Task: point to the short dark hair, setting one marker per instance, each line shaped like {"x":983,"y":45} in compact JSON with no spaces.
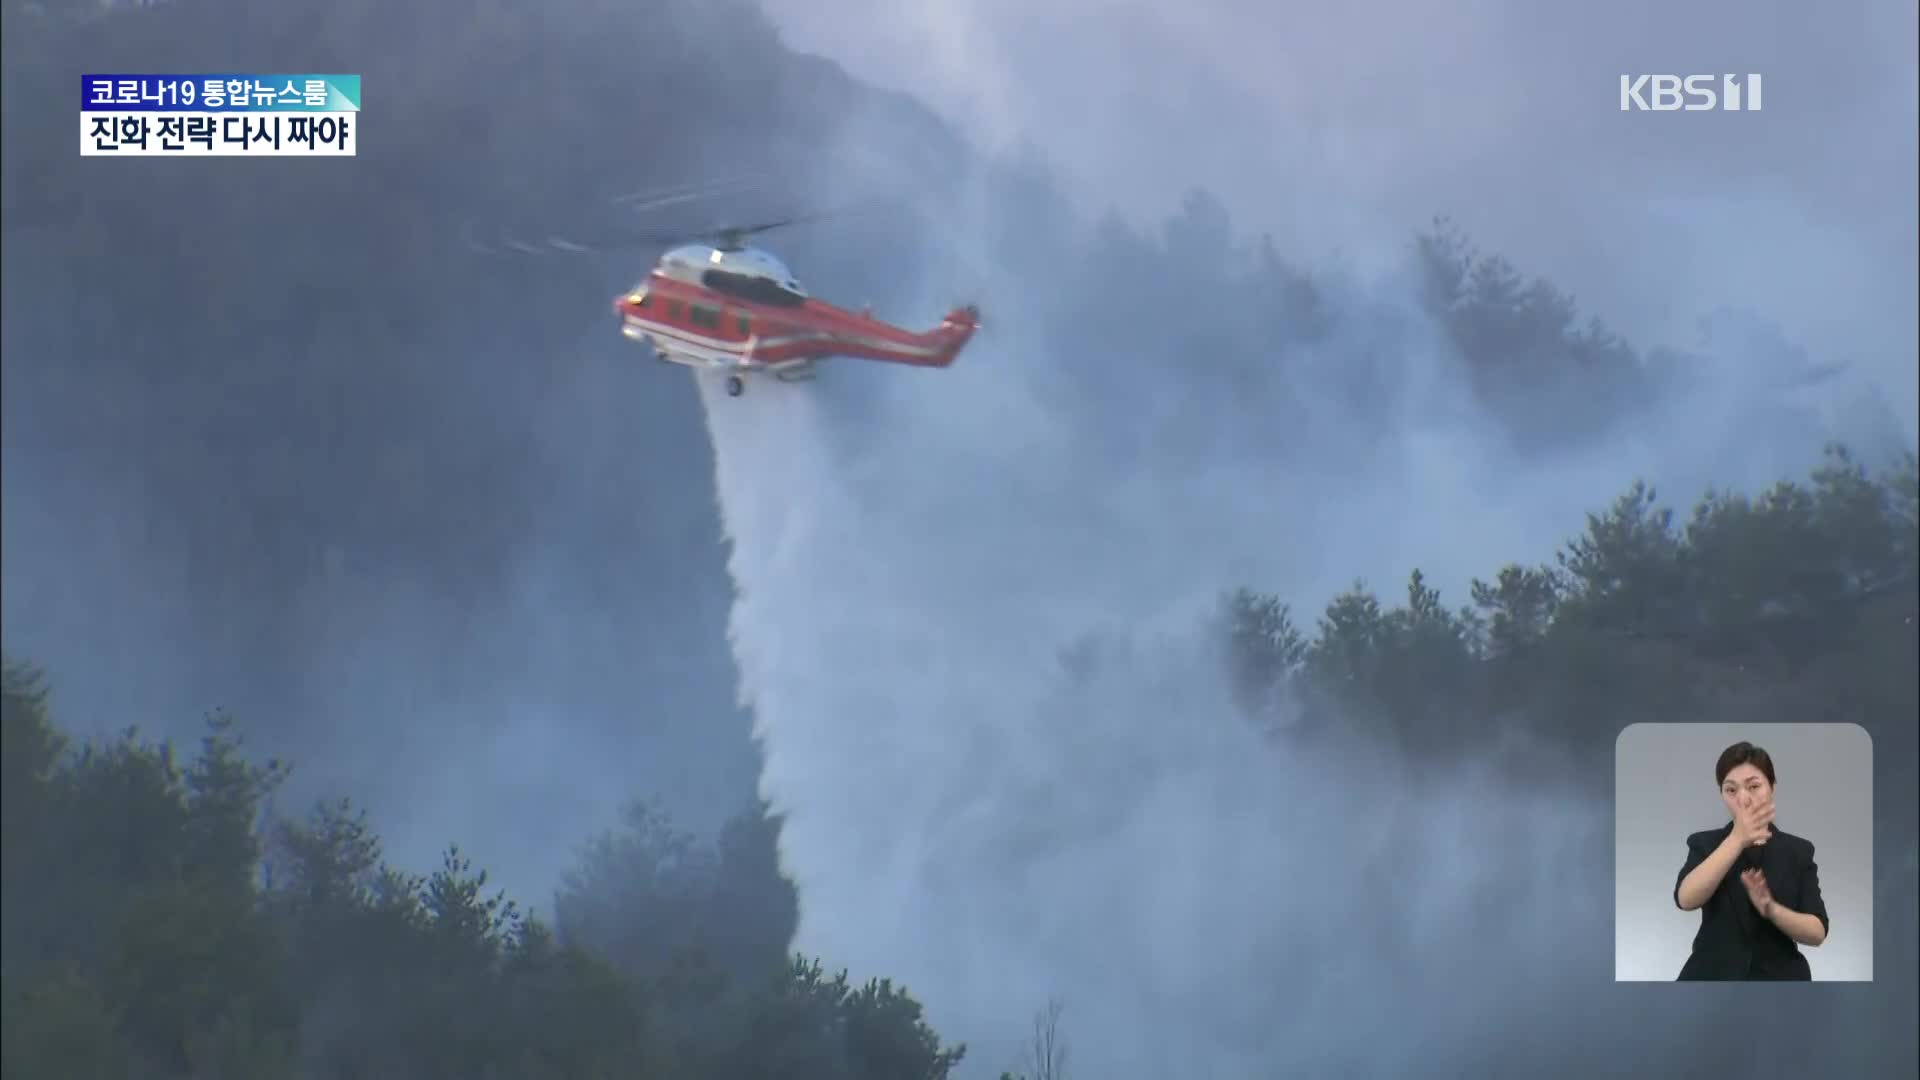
{"x":1743,"y":753}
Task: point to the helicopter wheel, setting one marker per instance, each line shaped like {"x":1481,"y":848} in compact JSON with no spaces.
{"x":736,"y":386}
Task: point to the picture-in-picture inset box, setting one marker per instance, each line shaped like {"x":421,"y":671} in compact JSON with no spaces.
{"x":1743,"y":852}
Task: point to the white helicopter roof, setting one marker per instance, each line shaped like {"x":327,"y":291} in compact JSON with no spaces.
{"x":689,"y":261}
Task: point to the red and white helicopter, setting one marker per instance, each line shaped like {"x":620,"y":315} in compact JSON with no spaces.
{"x":716,"y":303}
{"x":727,"y":306}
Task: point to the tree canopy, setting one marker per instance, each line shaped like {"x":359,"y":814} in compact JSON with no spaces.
{"x":160,"y":921}
{"x":1798,"y":600}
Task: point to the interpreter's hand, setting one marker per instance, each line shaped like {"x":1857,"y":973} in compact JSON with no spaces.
{"x":1757,"y":891}
{"x":1750,"y":824}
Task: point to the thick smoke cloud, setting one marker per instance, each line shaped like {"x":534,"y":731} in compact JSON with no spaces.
{"x":965,"y":816}
{"x":1338,"y":126}
{"x":913,"y":553}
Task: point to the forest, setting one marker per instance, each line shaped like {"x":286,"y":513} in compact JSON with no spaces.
{"x":169,"y":911}
{"x":158,"y":922}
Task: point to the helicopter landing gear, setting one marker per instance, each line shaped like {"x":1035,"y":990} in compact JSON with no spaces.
{"x":736,"y":386}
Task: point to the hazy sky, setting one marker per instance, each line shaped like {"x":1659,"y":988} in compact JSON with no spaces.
{"x":1346,"y":126}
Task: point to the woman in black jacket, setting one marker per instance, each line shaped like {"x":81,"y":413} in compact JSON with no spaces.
{"x":1753,"y":922}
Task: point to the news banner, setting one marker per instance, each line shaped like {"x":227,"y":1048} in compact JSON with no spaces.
{"x":217,"y":115}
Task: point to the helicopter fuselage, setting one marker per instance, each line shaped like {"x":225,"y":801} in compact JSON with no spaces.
{"x":741,"y":310}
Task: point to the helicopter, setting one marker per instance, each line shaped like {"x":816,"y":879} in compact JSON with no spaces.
{"x":715,"y":302}
{"x":725,"y":305}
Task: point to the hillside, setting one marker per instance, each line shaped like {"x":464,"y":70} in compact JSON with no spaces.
{"x":309,"y":956}
{"x":275,"y":441}
{"x":277,"y":417}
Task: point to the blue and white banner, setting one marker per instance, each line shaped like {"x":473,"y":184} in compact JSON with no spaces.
{"x":219,"y":115}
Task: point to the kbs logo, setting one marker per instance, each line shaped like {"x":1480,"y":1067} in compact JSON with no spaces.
{"x":1693,"y":93}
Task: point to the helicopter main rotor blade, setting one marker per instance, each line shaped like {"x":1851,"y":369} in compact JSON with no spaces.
{"x":680,"y":193}
{"x":733,"y":234}
{"x":612,"y":238}
{"x":599,"y":242}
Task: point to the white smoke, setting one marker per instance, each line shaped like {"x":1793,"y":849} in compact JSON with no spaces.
{"x":964,"y":817}
{"x":973,"y":816}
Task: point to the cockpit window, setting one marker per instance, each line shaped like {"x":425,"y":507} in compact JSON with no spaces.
{"x":751,"y":288}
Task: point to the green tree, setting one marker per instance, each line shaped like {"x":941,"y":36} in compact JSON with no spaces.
{"x":1755,"y":608}
{"x":1517,"y":609}
{"x":1628,"y":570}
{"x":817,"y":1025}
{"x":1264,"y":650}
{"x":166,"y":928}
